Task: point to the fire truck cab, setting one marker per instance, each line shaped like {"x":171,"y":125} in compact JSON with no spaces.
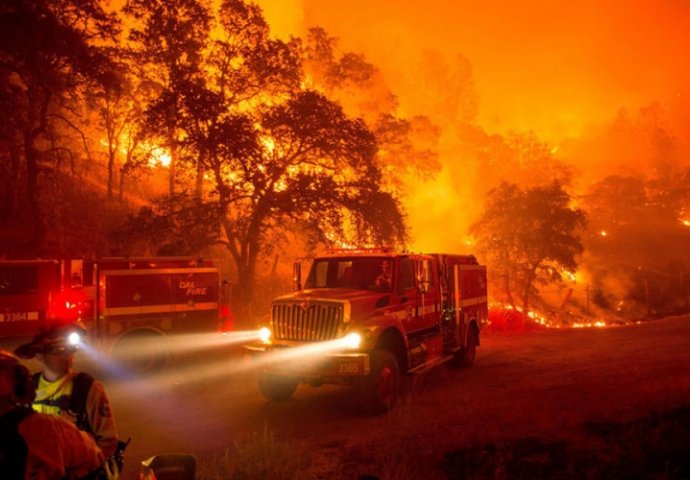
{"x":364,"y":317}
{"x":121,"y":301}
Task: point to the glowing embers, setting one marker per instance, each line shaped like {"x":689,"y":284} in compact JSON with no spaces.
{"x":595,"y":324}
{"x":504,"y":317}
{"x":159,"y":156}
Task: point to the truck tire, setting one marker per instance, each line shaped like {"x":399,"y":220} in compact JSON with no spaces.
{"x":379,"y":389}
{"x":277,"y":388}
{"x":464,"y":358}
{"x":141,"y":351}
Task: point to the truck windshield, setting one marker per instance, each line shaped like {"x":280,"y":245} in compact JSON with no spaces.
{"x":369,"y":273}
{"x":18,"y":280}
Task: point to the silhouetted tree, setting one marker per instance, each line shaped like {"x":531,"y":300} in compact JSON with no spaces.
{"x":529,"y":237}
{"x":272,"y":152}
{"x":638,"y":241}
{"x":168,"y":40}
{"x":50,"y":51}
{"x":408,"y":145}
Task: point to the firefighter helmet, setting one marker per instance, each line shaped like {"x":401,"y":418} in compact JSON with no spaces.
{"x":55,"y":339}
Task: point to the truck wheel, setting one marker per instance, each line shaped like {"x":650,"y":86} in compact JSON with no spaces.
{"x":465,"y":356}
{"x":277,"y":388}
{"x":380,"y":389}
{"x":143,"y":351}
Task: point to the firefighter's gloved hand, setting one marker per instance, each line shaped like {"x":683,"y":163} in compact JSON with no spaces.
{"x":110,"y":469}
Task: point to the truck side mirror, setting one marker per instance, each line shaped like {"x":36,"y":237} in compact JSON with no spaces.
{"x":297,"y":276}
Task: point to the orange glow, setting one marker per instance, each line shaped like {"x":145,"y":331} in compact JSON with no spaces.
{"x":596,"y":324}
{"x":603,"y":233}
{"x":269,"y":144}
{"x":546,"y":66}
{"x":498,"y":313}
{"x":560,"y":70}
{"x":159,"y":157}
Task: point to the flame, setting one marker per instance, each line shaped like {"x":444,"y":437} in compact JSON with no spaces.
{"x":269,"y":143}
{"x":339,"y":242}
{"x":543,"y":321}
{"x":159,"y":157}
{"x":596,"y":324}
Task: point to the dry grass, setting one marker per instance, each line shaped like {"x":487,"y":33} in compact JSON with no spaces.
{"x":650,"y":447}
{"x":261,"y":456}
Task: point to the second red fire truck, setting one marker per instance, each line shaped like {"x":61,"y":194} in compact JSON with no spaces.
{"x":364,"y":317}
{"x":121,"y":301}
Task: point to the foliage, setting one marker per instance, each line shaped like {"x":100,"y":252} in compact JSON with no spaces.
{"x":407,"y":146}
{"x":648,"y":447}
{"x":169,"y":226}
{"x":168,"y":41}
{"x":529,"y":237}
{"x":637,"y":246}
{"x":260,"y":456}
{"x":50,"y":53}
{"x":266,"y":152}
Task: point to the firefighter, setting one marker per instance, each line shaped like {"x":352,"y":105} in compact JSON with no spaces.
{"x":34,"y":445}
{"x":383,"y":280}
{"x":60,"y":390}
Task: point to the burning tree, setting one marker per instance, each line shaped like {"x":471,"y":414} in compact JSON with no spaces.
{"x":407,"y":145}
{"x":51,"y":53}
{"x":528,"y":237}
{"x":273,"y":154}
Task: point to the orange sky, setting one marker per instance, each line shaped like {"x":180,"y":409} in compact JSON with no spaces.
{"x":551,"y":66}
{"x":559,"y":68}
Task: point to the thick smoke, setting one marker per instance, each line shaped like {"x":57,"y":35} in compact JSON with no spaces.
{"x":534,"y":91}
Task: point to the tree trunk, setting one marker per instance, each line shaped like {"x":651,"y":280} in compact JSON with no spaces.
{"x":507,"y":290}
{"x":37,"y":213}
{"x":173,"y":165}
{"x":121,"y":190}
{"x":245,"y":292}
{"x":111,"y":171}
{"x":529,"y":279}
{"x":199,"y":187}
{"x":9,"y":206}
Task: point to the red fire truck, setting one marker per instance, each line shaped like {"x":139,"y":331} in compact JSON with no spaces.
{"x":119,"y":300}
{"x":364,"y":317}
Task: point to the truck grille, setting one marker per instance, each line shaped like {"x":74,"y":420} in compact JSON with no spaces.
{"x":307,"y":322}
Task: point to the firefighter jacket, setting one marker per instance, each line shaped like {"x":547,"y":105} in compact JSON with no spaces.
{"x":56,"y":449}
{"x":53,"y":398}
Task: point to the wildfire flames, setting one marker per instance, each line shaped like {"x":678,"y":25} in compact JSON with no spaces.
{"x":505,"y":317}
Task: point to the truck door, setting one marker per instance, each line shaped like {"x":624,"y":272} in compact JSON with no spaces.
{"x":457,"y":297}
{"x":427,"y":303}
{"x":428,"y":293}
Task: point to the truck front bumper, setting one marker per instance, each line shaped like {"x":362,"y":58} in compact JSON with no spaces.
{"x":287,"y":360}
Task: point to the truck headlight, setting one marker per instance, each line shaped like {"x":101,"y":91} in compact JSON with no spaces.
{"x":264,"y":334}
{"x":353,"y":340}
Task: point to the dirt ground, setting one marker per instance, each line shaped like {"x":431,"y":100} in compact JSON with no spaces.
{"x":548,"y":385}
